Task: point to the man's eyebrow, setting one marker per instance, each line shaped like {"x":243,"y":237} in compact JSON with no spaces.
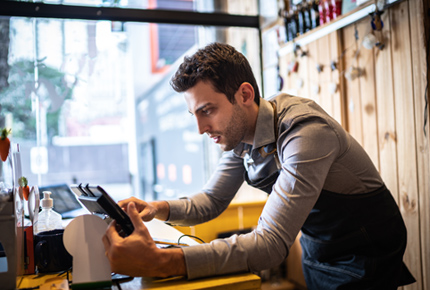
{"x":200,"y":108}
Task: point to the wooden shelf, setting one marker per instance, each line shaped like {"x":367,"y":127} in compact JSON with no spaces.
{"x":344,"y":20}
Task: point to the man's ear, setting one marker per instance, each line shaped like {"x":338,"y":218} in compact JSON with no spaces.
{"x":246,"y":93}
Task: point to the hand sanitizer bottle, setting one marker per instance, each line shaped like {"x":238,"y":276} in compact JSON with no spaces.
{"x":48,"y":218}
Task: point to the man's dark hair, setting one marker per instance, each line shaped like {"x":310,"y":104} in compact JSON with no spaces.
{"x":220,"y":64}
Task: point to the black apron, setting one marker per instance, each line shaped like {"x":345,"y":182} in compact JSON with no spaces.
{"x":354,"y":241}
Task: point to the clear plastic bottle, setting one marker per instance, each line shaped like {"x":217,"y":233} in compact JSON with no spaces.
{"x":48,"y":219}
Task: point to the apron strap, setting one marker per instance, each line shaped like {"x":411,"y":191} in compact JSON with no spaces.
{"x":274,"y":151}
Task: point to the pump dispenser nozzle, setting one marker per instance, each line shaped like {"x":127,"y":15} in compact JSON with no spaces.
{"x":47,"y":201}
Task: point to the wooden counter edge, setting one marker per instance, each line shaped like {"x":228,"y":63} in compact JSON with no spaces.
{"x":242,"y":281}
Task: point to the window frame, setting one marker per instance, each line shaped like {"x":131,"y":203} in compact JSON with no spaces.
{"x":43,"y":10}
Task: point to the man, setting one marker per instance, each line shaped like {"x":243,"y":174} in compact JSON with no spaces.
{"x":319,"y":179}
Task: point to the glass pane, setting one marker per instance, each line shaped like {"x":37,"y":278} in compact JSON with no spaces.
{"x":90,"y":102}
{"x":238,"y":7}
{"x":269,"y":10}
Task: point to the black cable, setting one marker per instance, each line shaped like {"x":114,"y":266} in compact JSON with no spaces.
{"x":191,"y":236}
{"x":65,"y":272}
{"x":118,"y":285}
{"x":20,"y":281}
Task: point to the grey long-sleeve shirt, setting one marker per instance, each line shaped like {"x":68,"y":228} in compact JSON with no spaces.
{"x":315,"y":153}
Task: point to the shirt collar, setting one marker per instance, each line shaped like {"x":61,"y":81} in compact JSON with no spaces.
{"x":264,"y":129}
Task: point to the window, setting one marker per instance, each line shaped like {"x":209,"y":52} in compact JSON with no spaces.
{"x":85,"y":104}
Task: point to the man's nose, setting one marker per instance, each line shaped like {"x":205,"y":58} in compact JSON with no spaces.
{"x":202,"y":126}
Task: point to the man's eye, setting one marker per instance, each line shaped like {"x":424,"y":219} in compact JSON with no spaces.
{"x":206,"y":112}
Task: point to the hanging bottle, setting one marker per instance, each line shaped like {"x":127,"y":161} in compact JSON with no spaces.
{"x":307,"y":16}
{"x":322,"y":11}
{"x":315,"y":16}
{"x":301,"y":18}
{"x":296,"y":21}
{"x":291,"y":30}
{"x":286,"y":18}
{"x":327,"y":11}
{"x":292,"y":25}
{"x":332,"y":9}
{"x":338,"y":7}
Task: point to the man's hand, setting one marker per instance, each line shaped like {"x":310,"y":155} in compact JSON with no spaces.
{"x":148,"y":211}
{"x":137,"y":255}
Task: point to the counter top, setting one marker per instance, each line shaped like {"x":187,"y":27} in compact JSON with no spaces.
{"x":243,"y":281}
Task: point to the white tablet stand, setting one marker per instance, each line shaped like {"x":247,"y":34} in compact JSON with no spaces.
{"x":83,"y":240}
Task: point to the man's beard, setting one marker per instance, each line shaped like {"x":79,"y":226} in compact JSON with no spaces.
{"x":235,"y":131}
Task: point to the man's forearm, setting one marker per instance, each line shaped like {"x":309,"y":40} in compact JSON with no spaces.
{"x":173,"y":263}
{"x":163,"y":209}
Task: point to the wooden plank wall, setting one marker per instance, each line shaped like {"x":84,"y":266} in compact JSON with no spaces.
{"x":308,"y":82}
{"x":384,"y":109}
{"x":421,"y":77}
{"x":405,"y":132}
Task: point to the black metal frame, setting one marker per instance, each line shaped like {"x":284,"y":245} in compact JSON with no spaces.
{"x":30,"y":9}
